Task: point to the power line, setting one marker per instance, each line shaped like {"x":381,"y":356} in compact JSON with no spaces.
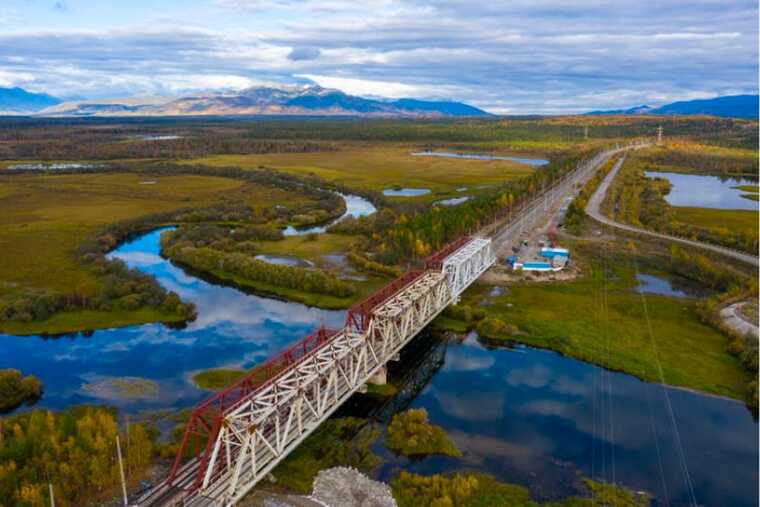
{"x":679,"y":445}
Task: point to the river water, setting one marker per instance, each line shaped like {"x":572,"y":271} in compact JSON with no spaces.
{"x":524,"y":415}
{"x":355,"y":207}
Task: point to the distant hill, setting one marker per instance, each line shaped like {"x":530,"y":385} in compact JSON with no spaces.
{"x":286,"y":100}
{"x":19,"y":101}
{"x":730,"y":106}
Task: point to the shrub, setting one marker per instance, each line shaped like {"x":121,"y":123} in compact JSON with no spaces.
{"x":410,"y":433}
{"x":491,"y":327}
{"x":16,"y":389}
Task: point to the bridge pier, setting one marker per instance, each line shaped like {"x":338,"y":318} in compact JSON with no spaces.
{"x":380,"y":376}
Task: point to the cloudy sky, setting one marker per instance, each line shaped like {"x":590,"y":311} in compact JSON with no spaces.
{"x":506,"y":56}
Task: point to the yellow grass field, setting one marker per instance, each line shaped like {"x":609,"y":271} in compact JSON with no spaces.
{"x":380,"y":167}
{"x":43,"y":218}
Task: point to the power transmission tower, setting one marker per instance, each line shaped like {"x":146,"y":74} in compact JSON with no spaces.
{"x":659,"y":134}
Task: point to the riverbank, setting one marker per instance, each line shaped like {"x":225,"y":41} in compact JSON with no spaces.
{"x":602,"y":319}
{"x":85,"y":321}
{"x":488,"y":425}
{"x":56,"y":229}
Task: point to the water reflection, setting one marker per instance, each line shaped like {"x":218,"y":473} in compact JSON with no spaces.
{"x":674,"y":287}
{"x":706,"y":191}
{"x":524,"y":415}
{"x":453,"y":201}
{"x":535,"y":162}
{"x":355,"y":207}
{"x":232,"y":330}
{"x":284,"y":260}
{"x":405,"y":192}
{"x":543,"y":420}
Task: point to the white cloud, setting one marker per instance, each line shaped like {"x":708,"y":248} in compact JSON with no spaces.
{"x":15,"y":78}
{"x":179,"y":82}
{"x":364,"y":86}
{"x":508,"y":57}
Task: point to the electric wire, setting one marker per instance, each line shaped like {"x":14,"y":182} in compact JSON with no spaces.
{"x":668,"y":404}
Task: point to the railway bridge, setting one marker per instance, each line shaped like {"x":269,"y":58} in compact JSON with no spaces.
{"x":235,"y":438}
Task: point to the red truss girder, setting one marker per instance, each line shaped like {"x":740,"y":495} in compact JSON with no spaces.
{"x":206,"y":418}
{"x":435,"y":260}
{"x":360,"y":314}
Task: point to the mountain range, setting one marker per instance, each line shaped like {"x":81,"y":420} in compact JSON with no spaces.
{"x":268,"y":100}
{"x":729,"y":106}
{"x":318,"y":101}
{"x":19,"y":101}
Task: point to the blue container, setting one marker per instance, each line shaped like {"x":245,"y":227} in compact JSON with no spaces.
{"x":537,"y":265}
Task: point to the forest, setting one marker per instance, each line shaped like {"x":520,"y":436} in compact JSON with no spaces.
{"x":43,"y":447}
{"x":126,"y":138}
{"x":417,"y":235}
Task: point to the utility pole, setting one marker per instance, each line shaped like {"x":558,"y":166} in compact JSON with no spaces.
{"x":659,"y":134}
{"x":585,"y":132}
{"x":121,"y":472}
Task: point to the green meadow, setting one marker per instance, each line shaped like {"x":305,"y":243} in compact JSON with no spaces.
{"x":600,"y":318}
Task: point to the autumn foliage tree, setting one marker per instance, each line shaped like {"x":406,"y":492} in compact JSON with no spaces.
{"x":74,"y":450}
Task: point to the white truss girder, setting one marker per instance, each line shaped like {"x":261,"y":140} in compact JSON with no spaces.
{"x":260,"y":430}
{"x":467,"y":264}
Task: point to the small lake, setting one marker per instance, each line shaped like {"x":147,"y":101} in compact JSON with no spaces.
{"x":535,"y":162}
{"x":55,"y":166}
{"x":453,"y":201}
{"x":674,"y":287}
{"x":284,"y":260}
{"x":700,"y":191}
{"x":155,"y":137}
{"x":355,"y":207}
{"x":405,"y":192}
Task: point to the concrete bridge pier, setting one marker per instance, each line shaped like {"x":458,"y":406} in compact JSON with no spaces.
{"x":380,"y":377}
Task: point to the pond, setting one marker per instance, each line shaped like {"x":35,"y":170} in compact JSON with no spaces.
{"x":535,"y":162}
{"x":524,"y":415}
{"x":674,"y":286}
{"x":702,"y":191}
{"x":156,"y":137}
{"x":54,"y":166}
{"x":284,"y":260}
{"x":453,"y":201}
{"x":405,"y":192}
{"x":355,"y":207}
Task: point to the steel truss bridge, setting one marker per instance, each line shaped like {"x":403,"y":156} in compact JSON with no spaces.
{"x":236,"y":437}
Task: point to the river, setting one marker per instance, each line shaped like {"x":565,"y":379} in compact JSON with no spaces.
{"x":525,"y":415}
{"x":355,"y":207}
